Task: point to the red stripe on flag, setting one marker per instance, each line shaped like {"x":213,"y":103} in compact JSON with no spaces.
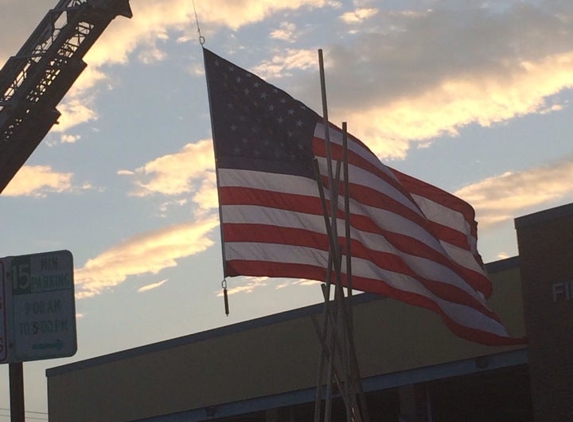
{"x":438,"y":195}
{"x":264,"y":198}
{"x":273,"y":269}
{"x":259,"y":233}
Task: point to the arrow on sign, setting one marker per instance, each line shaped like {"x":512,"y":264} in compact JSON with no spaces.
{"x":58,"y":344}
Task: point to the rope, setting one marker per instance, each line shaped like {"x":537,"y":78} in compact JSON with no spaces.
{"x":201,"y":37}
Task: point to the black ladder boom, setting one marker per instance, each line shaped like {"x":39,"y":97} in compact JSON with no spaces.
{"x":35,"y":80}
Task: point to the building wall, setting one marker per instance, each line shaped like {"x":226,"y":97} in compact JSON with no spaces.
{"x":546,"y":251}
{"x":261,"y":358}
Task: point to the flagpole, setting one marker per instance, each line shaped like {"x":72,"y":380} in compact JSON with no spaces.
{"x":333,"y":235}
{"x":347,"y":251}
{"x":333,"y":203}
{"x":353,"y":361}
{"x":328,"y":322}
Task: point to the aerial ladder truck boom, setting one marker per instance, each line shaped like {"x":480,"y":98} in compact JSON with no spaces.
{"x":35,"y":80}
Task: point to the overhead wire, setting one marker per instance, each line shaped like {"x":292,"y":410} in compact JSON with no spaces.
{"x":27,"y":411}
{"x":27,"y":418}
{"x":35,"y":414}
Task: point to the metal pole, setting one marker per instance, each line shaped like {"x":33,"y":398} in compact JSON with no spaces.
{"x":17,"y":412}
{"x":333,"y":232}
{"x":348,"y":251}
{"x":332,"y":190}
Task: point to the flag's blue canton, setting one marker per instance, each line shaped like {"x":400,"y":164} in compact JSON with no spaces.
{"x":257,"y":126}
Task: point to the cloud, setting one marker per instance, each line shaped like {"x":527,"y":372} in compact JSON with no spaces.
{"x":289,"y":59}
{"x":286,"y":32}
{"x":188,"y":172}
{"x":404,"y":78}
{"x":503,"y":255}
{"x":358,"y":15}
{"x":37,"y":181}
{"x":299,"y":282}
{"x":151,"y":286}
{"x":167,"y":205}
{"x":249,"y":284}
{"x":206,"y":196}
{"x":70,"y":139}
{"x":504,"y":197}
{"x":443,"y":109}
{"x":235,"y":14}
{"x":175,"y":174}
{"x":152,"y":55}
{"x":303,"y":282}
{"x":125,"y":173}
{"x":245,"y":285}
{"x":146,"y":253}
{"x":153,"y":20}
{"x":75,"y":110}
{"x":411,"y":77}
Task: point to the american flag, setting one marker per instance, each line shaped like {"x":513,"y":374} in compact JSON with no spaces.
{"x":409,"y":240}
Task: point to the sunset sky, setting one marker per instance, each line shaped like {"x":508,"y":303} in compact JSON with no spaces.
{"x":472,"y":96}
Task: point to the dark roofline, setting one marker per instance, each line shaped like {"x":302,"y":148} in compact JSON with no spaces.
{"x":544,"y":216}
{"x":201,"y":336}
{"x":502,"y":265}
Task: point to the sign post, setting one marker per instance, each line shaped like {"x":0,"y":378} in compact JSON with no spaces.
{"x":17,"y":410}
{"x":3,"y":317}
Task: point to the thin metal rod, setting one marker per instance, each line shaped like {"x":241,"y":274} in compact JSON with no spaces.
{"x":326,"y":124}
{"x":326,"y":294}
{"x":327,"y":223}
{"x":320,"y":371}
{"x":331,"y":315}
{"x":334,"y":250}
{"x":325,"y":321}
{"x":329,"y":375}
{"x":348,"y":254}
{"x":327,"y":353}
{"x":331,"y":344}
{"x":348,"y":251}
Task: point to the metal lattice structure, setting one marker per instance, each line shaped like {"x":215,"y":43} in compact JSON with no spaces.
{"x":34,"y":81}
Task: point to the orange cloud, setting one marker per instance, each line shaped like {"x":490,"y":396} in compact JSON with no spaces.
{"x":505,"y":197}
{"x":390,"y":126}
{"x":152,"y":286}
{"x":175,"y":174}
{"x":358,"y":15}
{"x":37,"y":181}
{"x":146,"y":253}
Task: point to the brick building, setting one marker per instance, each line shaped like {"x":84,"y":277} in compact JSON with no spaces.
{"x":545,"y":244}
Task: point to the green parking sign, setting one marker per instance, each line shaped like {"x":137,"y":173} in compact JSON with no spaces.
{"x":39,"y":306}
